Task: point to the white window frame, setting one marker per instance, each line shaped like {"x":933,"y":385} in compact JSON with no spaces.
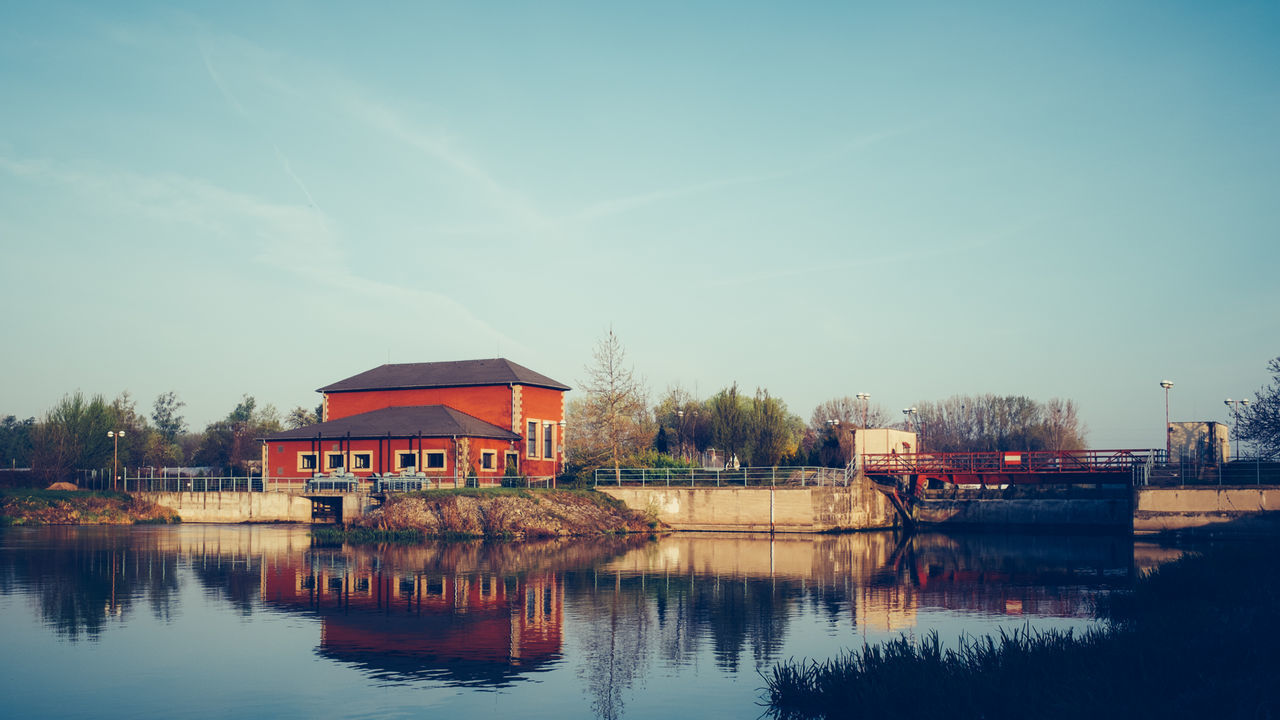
{"x":302,"y":456}
{"x":400,"y":454}
{"x":356,"y":457}
{"x":328,"y":460}
{"x":531,"y":446}
{"x":491,"y":456}
{"x":426,"y":464}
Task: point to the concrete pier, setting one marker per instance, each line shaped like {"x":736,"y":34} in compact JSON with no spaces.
{"x":253,"y":507}
{"x":1161,"y":509}
{"x":761,"y":509}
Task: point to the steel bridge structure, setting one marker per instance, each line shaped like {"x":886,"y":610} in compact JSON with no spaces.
{"x":923,"y":471}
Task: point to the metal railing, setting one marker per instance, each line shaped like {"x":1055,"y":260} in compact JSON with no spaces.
{"x":742,"y":477}
{"x":321,"y":483}
{"x":1071,"y":461}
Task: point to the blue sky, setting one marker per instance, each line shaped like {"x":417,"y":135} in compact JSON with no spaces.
{"x":911,"y":199}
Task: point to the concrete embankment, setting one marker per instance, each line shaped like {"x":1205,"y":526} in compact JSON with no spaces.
{"x":234,"y":507}
{"x":1181,"y":508}
{"x":1060,"y":507}
{"x":761,"y":509}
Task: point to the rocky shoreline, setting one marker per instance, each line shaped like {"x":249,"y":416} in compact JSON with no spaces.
{"x":74,"y":507}
{"x":506,"y":514}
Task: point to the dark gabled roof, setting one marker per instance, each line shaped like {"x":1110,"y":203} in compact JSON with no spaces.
{"x":401,"y":422}
{"x":497,"y":371}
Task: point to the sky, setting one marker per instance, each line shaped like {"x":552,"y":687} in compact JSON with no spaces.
{"x":914,"y":200}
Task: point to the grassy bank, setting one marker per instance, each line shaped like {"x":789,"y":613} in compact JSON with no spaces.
{"x":1197,"y":638}
{"x":78,"y":507}
{"x":502,"y":513}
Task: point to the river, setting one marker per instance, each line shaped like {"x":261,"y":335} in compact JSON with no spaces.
{"x":198,"y":621}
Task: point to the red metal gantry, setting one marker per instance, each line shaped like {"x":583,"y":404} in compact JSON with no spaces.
{"x":1011,"y":467}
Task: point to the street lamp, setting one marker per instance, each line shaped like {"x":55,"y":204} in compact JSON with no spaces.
{"x":559,"y":457}
{"x":1168,"y":429}
{"x":908,"y":413}
{"x":1235,"y":412}
{"x":115,"y":435}
{"x":865,"y":398}
{"x":680,"y":432}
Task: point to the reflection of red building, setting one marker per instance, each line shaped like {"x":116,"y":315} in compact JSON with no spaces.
{"x":469,"y":628}
{"x":446,"y":420}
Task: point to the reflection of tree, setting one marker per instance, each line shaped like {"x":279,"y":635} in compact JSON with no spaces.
{"x":614,"y":644}
{"x":81,"y":576}
{"x":234,"y":579}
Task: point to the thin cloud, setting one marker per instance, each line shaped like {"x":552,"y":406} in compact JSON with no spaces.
{"x":865,"y":263}
{"x":288,"y":169}
{"x":222,"y":87}
{"x":445,"y":150}
{"x":291,"y":238}
{"x":618,"y":206}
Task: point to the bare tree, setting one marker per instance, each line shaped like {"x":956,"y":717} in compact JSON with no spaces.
{"x":613,"y":419}
{"x":1260,"y":422}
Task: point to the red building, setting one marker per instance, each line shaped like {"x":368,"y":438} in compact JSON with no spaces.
{"x":445,"y":420}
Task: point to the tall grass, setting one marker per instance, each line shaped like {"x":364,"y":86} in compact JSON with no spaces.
{"x":1197,"y":638}
{"x":364,"y":536}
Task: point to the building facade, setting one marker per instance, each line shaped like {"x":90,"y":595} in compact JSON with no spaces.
{"x":473,"y":419}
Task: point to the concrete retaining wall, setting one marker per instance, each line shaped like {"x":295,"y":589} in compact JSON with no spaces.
{"x":761,"y":509}
{"x":1075,"y":512}
{"x":234,"y":507}
{"x":1178,"y":508}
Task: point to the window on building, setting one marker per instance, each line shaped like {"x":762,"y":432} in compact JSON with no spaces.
{"x":407,"y":461}
{"x":513,"y":462}
{"x":361,"y":461}
{"x":488,"y":458}
{"x":435,"y":460}
{"x":548,"y":440}
{"x":306,"y":461}
{"x":532,"y":439}
{"x":335,"y":461}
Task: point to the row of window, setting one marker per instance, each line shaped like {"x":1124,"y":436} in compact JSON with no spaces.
{"x":434,"y":460}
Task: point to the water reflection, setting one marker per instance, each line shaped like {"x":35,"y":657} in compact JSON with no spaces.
{"x":464,"y":613}
{"x":610,"y":613}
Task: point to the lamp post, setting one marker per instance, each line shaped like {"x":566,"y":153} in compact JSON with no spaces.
{"x":680,"y":431}
{"x":908,"y":413}
{"x":1235,"y":414}
{"x":1168,"y":429}
{"x":865,"y":398}
{"x":559,"y":458}
{"x":115,"y":435}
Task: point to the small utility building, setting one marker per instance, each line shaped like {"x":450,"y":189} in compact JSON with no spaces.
{"x":481,"y":419}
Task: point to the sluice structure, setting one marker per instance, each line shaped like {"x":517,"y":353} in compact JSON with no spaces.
{"x":1071,"y":488}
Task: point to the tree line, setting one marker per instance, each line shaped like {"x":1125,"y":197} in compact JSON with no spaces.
{"x":73,"y":436}
{"x":612,"y":424}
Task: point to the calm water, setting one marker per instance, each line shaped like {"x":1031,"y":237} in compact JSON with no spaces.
{"x":225,"y":621}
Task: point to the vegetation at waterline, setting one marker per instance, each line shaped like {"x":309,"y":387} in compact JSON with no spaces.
{"x":336,"y":535}
{"x":72,"y":507}
{"x":1196,"y":638}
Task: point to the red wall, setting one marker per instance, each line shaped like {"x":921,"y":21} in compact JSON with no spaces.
{"x":489,"y":403}
{"x":545,"y":406}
